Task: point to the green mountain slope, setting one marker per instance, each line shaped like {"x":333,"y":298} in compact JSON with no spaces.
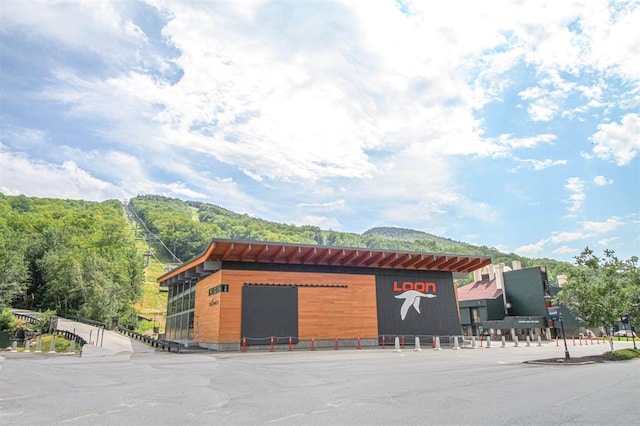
{"x":186,"y":227}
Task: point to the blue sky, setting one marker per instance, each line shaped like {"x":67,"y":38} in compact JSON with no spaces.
{"x":510,"y":124}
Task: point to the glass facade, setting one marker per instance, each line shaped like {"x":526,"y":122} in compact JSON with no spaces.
{"x":180,"y":311}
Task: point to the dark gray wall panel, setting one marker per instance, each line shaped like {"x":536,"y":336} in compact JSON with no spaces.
{"x":269,"y":311}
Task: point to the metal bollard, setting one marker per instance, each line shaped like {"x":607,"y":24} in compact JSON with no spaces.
{"x":437,"y":348}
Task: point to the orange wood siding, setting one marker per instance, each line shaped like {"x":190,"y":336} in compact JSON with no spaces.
{"x":346,"y":313}
{"x":206,"y":325}
{"x":323,"y":312}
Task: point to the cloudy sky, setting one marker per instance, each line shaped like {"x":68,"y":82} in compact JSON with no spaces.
{"x":510,"y":124}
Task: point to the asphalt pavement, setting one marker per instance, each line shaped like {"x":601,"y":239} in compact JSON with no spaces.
{"x":123,"y":385}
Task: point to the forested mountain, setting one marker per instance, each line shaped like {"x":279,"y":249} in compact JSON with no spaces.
{"x":81,"y":258}
{"x":75,"y":257}
{"x":186,"y":227}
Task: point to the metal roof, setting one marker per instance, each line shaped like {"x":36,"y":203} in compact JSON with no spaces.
{"x":220,"y":250}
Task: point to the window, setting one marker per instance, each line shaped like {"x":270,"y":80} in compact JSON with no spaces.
{"x":475,"y":315}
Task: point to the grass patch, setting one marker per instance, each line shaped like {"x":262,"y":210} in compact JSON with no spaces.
{"x":61,"y":345}
{"x":153,"y":303}
{"x":623,"y":354}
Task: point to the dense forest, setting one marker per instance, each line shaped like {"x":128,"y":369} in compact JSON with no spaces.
{"x":81,"y":258}
{"x":74,"y":257}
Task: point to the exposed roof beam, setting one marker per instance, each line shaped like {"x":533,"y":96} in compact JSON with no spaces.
{"x":331,"y":259}
{"x":323,"y":253}
{"x":278,"y":253}
{"x":245,"y":252}
{"x":412,"y":261}
{"x":387,"y":260}
{"x":308,"y":254}
{"x":293,"y":255}
{"x":373,"y":258}
{"x":351,"y":256}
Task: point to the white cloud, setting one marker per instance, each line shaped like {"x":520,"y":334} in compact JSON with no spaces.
{"x":564,"y":237}
{"x":606,"y":242}
{"x":66,"y":180}
{"x":330,"y":205}
{"x":545,"y":164}
{"x":608,"y":225}
{"x":565,"y":250}
{"x":618,"y":142}
{"x":575,"y":186}
{"x":323,"y":222}
{"x":531,"y":250}
{"x":602,"y":181}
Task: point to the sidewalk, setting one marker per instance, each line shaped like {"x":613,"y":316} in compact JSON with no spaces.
{"x":101,"y":342}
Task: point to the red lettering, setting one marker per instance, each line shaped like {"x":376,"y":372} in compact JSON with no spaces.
{"x":420,"y":286}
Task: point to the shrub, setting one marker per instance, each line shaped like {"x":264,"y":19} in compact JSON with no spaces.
{"x":7,"y":321}
{"x":44,"y":321}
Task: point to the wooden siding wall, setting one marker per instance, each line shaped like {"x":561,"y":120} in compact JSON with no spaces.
{"x":206,"y":322}
{"x":323,"y":312}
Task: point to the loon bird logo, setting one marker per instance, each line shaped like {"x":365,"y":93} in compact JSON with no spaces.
{"x":411,"y":297}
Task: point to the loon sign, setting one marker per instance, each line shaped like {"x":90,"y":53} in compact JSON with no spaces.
{"x":417,"y":303}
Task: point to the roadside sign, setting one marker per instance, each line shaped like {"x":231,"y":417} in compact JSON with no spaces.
{"x":554,"y":313}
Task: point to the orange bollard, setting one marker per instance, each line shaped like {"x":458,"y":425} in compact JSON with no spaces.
{"x":359,"y":347}
{"x":271,"y":346}
{"x":290,"y":344}
{"x":313,"y":344}
{"x":402,"y":342}
{"x":481,"y":338}
{"x":336,"y":345}
{"x":433,"y":342}
{"x":244,"y":344}
{"x":382,"y":342}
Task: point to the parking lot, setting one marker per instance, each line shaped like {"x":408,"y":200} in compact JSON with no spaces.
{"x":373,"y":386}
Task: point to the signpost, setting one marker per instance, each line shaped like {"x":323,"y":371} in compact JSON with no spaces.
{"x":556,"y":315}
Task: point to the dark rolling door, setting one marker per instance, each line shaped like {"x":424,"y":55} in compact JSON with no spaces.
{"x":269,"y":311}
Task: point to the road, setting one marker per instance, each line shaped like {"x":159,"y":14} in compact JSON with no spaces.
{"x":328,"y":387}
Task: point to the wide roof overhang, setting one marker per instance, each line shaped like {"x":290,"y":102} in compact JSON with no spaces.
{"x":306,"y":254}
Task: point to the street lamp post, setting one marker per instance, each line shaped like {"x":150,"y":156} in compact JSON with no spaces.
{"x":564,"y":337}
{"x":633,"y":333}
{"x":556,"y":315}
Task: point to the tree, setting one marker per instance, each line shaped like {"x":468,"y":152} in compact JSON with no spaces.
{"x":599,"y":290}
{"x":14,"y":271}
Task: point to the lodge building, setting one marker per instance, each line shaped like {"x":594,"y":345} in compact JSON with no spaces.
{"x":252,"y":291}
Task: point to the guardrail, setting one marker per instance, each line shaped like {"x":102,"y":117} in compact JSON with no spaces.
{"x":164,"y":345}
{"x":83,"y":320}
{"x":70,"y":336}
{"x":26,"y":318}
